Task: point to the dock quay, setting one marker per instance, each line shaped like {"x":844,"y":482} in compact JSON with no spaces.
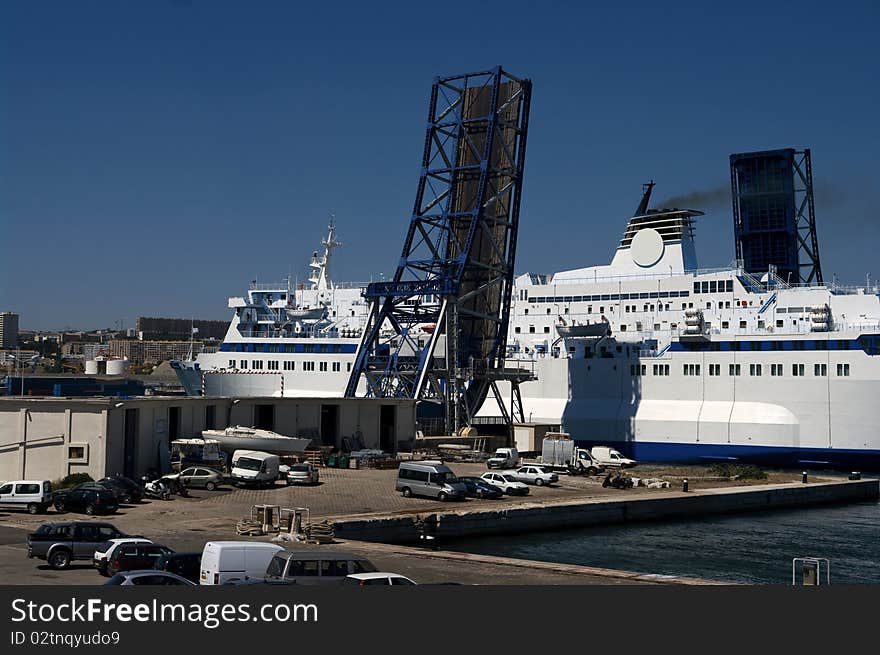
{"x":564,"y":514}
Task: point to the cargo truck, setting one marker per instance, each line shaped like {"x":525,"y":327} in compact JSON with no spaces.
{"x":559,"y":453}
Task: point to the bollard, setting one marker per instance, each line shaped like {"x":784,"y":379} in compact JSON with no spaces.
{"x":804,"y":477}
{"x":684,"y":484}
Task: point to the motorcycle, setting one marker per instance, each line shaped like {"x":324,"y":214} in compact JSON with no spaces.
{"x":156,"y":489}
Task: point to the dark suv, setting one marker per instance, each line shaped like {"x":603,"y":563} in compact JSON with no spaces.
{"x":186,"y":565}
{"x":135,"y":557}
{"x":60,"y":543}
{"x":86,"y":499}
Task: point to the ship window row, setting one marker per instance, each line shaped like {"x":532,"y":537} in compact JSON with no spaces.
{"x":289,"y":348}
{"x":869,"y":344}
{"x":273,"y":365}
{"x":713,"y":286}
{"x":610,"y":296}
{"x":755,"y":370}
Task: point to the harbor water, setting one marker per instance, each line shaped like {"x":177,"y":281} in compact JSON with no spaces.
{"x":754,"y":548}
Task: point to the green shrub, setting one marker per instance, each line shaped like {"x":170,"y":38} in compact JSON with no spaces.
{"x":742,"y":471}
{"x":71,"y":480}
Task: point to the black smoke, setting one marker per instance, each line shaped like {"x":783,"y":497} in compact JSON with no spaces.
{"x":714,"y":198}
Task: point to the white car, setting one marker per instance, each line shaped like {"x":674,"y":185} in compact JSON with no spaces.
{"x":507,"y":483}
{"x":534,"y":475}
{"x":304,"y":473}
{"x":105,"y":551}
{"x":377,"y":578}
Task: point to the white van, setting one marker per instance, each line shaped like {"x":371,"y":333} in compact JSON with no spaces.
{"x":234,"y":561}
{"x":33,"y":495}
{"x":254,"y":467}
{"x":610,"y":457}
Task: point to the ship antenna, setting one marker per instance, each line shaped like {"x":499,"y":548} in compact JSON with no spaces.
{"x":642,"y":209}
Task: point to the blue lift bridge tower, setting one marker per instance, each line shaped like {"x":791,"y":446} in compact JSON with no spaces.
{"x":437,"y":331}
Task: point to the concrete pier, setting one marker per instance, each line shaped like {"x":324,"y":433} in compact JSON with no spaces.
{"x":563,"y":514}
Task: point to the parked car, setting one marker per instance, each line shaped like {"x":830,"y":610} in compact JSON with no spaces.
{"x":429,"y":478}
{"x":61,"y":543}
{"x":507,"y":483}
{"x":148,"y":577}
{"x":227,"y":561}
{"x":133,"y":557}
{"x":532,"y":474}
{"x":117,"y":491}
{"x":197,"y":476}
{"x":33,"y":495}
{"x":303,"y":473}
{"x":479,"y":488}
{"x":186,"y":565}
{"x":126,"y":492}
{"x":377,"y":578}
{"x":86,"y":499}
{"x":315,"y":567}
{"x":105,"y":551}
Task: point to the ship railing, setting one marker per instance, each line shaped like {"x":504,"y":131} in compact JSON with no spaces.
{"x":282,"y":286}
{"x":552,"y":281}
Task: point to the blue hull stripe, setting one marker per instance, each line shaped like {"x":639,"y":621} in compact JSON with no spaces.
{"x":845,"y":459}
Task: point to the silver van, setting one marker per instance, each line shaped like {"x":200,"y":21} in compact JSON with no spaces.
{"x":315,"y":567}
{"x":33,"y":495}
{"x":429,"y":478}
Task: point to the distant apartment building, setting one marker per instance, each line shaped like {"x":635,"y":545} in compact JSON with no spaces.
{"x":151,"y":352}
{"x":179,"y":328}
{"x":8,"y":330}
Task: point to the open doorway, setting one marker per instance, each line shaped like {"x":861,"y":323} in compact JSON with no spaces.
{"x":173,"y":424}
{"x":387,"y":427}
{"x":129,"y":443}
{"x":264,"y":417}
{"x":329,"y":424}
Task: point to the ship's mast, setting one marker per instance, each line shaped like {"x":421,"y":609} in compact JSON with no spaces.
{"x":320,"y":277}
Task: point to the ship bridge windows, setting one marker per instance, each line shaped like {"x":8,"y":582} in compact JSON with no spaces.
{"x":714,"y":370}
{"x":272,"y":365}
{"x":290,"y":366}
{"x":546,"y":329}
{"x":820,"y":370}
{"x":243,"y":364}
{"x":691,"y":369}
{"x":797,"y":370}
{"x":735,"y":369}
{"x":661,"y":369}
{"x":755,"y":370}
{"x":843,"y":370}
{"x":776,"y":370}
{"x":517,"y":329}
{"x":231,"y":363}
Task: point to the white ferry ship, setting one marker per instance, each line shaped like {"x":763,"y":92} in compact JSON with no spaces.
{"x":283,"y":340}
{"x":663,"y":360}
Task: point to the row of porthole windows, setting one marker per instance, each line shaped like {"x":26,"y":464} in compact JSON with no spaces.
{"x":272,"y":365}
{"x":755,"y":370}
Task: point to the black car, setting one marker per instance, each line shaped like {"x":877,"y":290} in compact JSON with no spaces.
{"x":479,"y":488}
{"x":135,"y":557}
{"x":101,"y":486}
{"x":126,"y":490}
{"x":85,"y":498}
{"x":186,"y":565}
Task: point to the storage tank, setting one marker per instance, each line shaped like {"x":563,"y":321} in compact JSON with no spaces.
{"x":117,"y":366}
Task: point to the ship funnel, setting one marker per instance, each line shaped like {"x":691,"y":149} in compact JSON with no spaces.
{"x":642,"y":209}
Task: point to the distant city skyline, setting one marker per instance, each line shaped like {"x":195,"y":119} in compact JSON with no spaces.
{"x":158,"y":157}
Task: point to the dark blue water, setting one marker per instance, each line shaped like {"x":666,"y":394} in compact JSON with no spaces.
{"x":752,"y":548}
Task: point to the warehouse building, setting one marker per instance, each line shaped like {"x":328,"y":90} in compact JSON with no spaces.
{"x":49,"y":438}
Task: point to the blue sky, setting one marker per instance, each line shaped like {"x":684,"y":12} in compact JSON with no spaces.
{"x":156,"y":156}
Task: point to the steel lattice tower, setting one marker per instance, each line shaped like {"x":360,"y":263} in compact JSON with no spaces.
{"x":774,"y":216}
{"x":456,"y":270}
